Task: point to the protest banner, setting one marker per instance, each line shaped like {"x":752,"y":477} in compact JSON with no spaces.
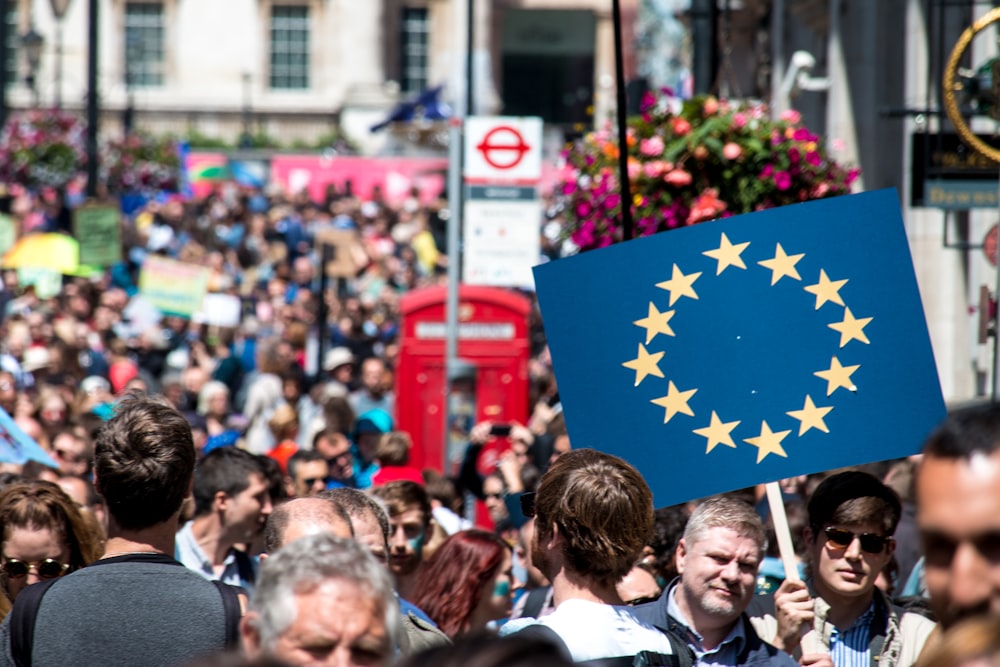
{"x":746,"y":350}
{"x":174,"y":288}
{"x":97,"y":230}
{"x":17,"y":447}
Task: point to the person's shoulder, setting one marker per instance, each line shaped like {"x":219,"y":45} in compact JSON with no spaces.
{"x":761,"y":652}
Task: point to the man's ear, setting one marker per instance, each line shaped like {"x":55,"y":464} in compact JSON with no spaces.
{"x":555,"y":538}
{"x":250,"y":635}
{"x":221,"y":501}
{"x":679,"y":555}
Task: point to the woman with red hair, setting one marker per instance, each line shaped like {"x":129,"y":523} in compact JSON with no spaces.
{"x":466,"y":584}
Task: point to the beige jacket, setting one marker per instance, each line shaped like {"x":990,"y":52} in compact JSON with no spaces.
{"x":902,"y":640}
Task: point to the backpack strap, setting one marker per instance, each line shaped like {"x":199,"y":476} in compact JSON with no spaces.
{"x":22,"y":621}
{"x":233,"y":611}
{"x":534,"y":602}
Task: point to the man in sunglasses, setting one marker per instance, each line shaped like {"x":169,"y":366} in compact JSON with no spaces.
{"x":839,"y":617}
{"x":958,"y":514}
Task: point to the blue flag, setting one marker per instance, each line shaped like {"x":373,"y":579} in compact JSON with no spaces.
{"x":746,"y":350}
{"x":16,"y":446}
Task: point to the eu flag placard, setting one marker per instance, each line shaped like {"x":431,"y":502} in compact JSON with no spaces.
{"x":748,"y":349}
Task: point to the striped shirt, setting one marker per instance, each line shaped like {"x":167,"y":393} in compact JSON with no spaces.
{"x":850,"y":647}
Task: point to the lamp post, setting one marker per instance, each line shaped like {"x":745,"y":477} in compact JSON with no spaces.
{"x":32,"y":43}
{"x":59,"y":8}
{"x":246,"y":136}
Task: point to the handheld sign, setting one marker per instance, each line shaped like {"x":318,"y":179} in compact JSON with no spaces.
{"x":746,"y":350}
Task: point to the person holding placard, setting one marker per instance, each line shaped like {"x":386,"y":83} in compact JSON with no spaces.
{"x":838,"y":616}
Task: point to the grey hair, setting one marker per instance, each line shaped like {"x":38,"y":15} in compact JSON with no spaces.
{"x":301,"y":566}
{"x":725,"y":512}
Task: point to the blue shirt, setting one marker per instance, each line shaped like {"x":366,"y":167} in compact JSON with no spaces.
{"x":725,"y":654}
{"x":850,"y":648}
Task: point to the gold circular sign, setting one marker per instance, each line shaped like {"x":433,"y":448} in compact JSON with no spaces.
{"x":951,"y":89}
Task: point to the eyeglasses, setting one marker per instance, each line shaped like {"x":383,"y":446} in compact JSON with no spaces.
{"x":643,"y":600}
{"x":310,"y":481}
{"x":46,"y":569}
{"x":528,"y":504}
{"x":870,"y":542}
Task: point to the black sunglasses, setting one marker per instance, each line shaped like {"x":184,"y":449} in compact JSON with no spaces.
{"x":528,"y":504}
{"x":870,"y":542}
{"x":46,"y":569}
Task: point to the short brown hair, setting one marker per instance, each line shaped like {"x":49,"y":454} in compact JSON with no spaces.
{"x":393,"y":448}
{"x":853,"y":497}
{"x":402,"y":495}
{"x":603,"y":509}
{"x":144,"y":461}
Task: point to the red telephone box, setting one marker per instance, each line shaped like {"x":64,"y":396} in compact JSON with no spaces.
{"x":489,"y":382}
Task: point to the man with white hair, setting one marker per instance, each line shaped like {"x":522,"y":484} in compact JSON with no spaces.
{"x":322,"y":600}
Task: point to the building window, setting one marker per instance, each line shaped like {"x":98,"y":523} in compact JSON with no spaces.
{"x":414,"y":49}
{"x":144,"y":43}
{"x":289,"y":47}
{"x":13,"y":38}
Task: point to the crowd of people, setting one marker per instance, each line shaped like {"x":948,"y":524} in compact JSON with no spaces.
{"x":218,"y":496}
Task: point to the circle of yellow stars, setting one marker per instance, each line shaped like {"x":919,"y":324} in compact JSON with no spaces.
{"x":718,"y":432}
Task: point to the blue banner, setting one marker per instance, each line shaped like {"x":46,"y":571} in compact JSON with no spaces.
{"x":16,"y":446}
{"x":746,"y":350}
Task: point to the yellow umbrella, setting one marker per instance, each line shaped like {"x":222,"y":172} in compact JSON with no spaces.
{"x":56,"y":252}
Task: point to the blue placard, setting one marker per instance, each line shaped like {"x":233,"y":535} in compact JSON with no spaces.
{"x":16,"y":446}
{"x":746,"y":350}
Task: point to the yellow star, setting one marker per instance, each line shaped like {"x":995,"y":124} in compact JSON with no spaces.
{"x":675,"y":401}
{"x":645,"y":364}
{"x":852,"y":328}
{"x":768,"y":442}
{"x":810,"y":416}
{"x":655,"y":323}
{"x":680,"y":285}
{"x":826,"y":290}
{"x":838,"y":376}
{"x":718,"y":433}
{"x":782,"y":265}
{"x":727,"y":254}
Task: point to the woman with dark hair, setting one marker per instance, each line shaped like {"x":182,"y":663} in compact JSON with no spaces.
{"x":466,"y":584}
{"x":43,"y":535}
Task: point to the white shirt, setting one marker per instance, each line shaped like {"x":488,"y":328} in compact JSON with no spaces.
{"x":593,"y":630}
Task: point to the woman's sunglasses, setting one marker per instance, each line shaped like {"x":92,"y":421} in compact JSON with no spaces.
{"x":46,"y":569}
{"x":870,"y":542}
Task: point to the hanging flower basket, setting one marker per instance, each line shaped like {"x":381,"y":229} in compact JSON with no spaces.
{"x":693,"y":161}
{"x":41,"y":148}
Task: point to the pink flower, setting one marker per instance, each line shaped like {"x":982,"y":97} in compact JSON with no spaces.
{"x":766,"y":172}
{"x":791,"y":116}
{"x":739,"y":120}
{"x":813,"y":158}
{"x":681,"y":126}
{"x":783,"y":180}
{"x":653,"y":147}
{"x":732,"y":151}
{"x":707,"y":206}
{"x":634,"y":169}
{"x":711,"y":106}
{"x":678,"y":177}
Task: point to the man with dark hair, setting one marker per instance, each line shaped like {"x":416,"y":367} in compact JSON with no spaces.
{"x":839,"y":617}
{"x":717,"y":559}
{"x":299,"y":517}
{"x":593,"y":515}
{"x":958,"y":514}
{"x":231,"y":505}
{"x":409,"y":522}
{"x":136,"y":605}
{"x":308,"y":471}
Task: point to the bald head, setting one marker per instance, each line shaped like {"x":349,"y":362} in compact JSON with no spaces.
{"x":305,"y":516}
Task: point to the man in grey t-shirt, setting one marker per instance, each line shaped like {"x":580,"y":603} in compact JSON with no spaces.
{"x":136,"y":605}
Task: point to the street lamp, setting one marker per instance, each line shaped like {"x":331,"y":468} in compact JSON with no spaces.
{"x":32,"y":44}
{"x":59,"y":8}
